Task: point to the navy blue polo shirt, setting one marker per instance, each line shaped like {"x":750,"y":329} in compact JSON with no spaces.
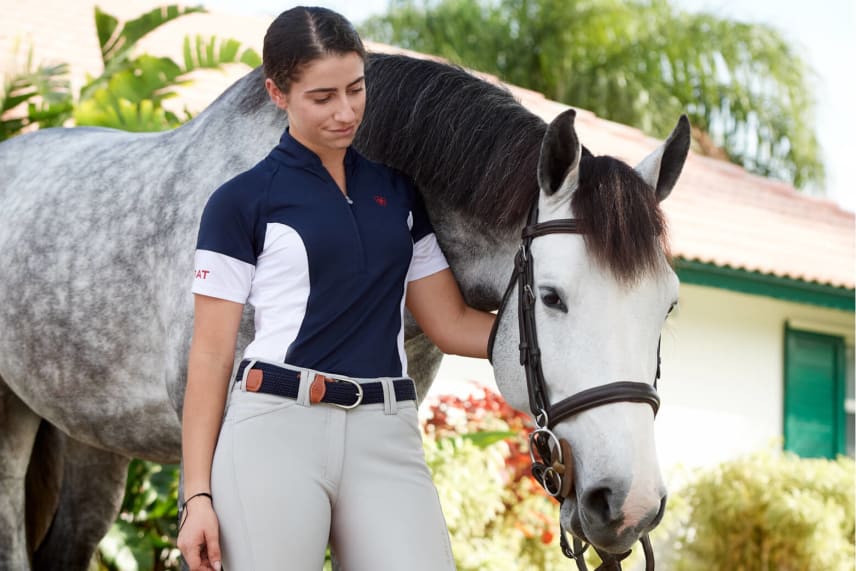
{"x":327,"y":274}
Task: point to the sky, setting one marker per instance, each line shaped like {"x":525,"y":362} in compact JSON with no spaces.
{"x":822,"y":31}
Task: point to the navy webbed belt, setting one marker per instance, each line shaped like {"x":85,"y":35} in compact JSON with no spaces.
{"x":339,"y":391}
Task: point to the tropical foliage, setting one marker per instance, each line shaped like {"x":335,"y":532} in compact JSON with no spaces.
{"x":641,"y":63}
{"x":42,"y":93}
{"x":129,"y":93}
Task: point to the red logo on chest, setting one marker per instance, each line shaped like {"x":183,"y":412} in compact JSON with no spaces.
{"x":202,"y":274}
{"x":380,"y":200}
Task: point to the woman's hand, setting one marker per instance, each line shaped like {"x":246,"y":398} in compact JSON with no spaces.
{"x":438,"y":307}
{"x":199,"y":536}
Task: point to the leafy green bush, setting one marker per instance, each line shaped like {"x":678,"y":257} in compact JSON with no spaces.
{"x":767,"y":511}
{"x":143,"y":536}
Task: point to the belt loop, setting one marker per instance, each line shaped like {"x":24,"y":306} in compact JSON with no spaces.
{"x":390,"y":405}
{"x":306,"y":378}
{"x":243,"y":382}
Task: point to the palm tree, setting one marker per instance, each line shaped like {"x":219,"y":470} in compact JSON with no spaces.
{"x":44,"y":92}
{"x":641,"y":63}
{"x":129,"y":92}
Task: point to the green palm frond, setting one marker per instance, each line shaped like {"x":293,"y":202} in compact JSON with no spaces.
{"x":117,"y":41}
{"x":211,"y":54}
{"x":34,"y":95}
{"x":130,"y":91}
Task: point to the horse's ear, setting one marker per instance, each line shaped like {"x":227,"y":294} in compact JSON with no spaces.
{"x":662,"y":168}
{"x":560,"y":154}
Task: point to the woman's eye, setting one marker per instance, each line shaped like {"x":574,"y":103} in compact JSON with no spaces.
{"x":551,"y":299}
{"x":355,"y":90}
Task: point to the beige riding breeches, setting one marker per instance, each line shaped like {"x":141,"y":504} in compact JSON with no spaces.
{"x":289,"y":478}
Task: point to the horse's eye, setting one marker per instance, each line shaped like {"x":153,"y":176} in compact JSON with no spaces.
{"x":551,"y":299}
{"x":671,"y":309}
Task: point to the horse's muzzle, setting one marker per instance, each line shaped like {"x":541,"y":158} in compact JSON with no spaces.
{"x":602,"y":525}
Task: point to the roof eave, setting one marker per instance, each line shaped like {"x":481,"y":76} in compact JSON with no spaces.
{"x":768,"y":285}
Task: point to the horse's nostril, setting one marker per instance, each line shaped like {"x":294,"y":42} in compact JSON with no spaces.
{"x":599,"y":505}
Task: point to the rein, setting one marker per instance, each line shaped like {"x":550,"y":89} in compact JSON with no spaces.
{"x":551,"y":457}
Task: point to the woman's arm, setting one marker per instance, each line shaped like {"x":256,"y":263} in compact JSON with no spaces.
{"x":212,"y":351}
{"x":209,"y":366}
{"x":438,"y":307}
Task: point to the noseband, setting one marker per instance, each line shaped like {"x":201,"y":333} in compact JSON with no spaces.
{"x":552,"y":462}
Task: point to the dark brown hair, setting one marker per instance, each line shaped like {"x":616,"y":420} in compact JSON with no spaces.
{"x":301,"y":35}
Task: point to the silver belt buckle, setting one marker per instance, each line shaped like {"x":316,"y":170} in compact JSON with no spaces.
{"x":359,"y":394}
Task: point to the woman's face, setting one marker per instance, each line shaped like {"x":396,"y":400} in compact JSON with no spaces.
{"x":326,"y":105}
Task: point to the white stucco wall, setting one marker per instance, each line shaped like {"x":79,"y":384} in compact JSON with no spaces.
{"x":723,"y":373}
{"x":723,"y":359}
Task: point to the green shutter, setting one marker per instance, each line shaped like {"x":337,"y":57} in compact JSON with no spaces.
{"x":814,"y":394}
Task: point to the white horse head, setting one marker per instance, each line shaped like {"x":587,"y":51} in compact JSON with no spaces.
{"x":601,"y":300}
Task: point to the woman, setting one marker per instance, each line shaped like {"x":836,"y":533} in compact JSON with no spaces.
{"x":320,"y":443}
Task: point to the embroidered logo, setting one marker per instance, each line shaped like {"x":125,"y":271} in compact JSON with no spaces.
{"x":202,"y":274}
{"x":380,"y":200}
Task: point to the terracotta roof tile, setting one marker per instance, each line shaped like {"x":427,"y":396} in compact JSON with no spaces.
{"x":718,"y":213}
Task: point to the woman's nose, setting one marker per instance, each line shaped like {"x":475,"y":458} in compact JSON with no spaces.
{"x":344,"y":111}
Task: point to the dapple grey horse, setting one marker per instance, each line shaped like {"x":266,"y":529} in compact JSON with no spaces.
{"x":97,"y":233}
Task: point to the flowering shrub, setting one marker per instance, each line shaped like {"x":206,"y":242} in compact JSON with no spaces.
{"x":499,"y":517}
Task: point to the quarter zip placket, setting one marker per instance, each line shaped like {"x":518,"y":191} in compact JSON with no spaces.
{"x":361,"y":252}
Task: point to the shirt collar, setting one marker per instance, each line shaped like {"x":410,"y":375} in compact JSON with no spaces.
{"x":293,"y":153}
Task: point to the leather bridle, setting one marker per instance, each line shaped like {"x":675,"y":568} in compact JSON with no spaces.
{"x":552,"y":462}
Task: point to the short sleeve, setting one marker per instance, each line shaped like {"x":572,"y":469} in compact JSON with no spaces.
{"x":427,"y":258}
{"x":226,"y":246}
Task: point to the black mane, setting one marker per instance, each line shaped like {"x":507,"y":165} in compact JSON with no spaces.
{"x":468,"y":141}
{"x":623,"y":224}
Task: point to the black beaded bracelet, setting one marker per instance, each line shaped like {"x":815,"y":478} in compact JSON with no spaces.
{"x":182,"y":511}
{"x":206,"y":494}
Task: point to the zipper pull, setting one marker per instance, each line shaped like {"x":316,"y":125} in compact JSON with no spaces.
{"x":348,"y":198}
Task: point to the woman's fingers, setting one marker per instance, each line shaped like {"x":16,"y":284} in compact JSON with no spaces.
{"x":199,"y":539}
{"x":213,"y":548}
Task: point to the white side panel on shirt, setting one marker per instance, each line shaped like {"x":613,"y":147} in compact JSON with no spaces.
{"x":402,"y":354}
{"x":280,"y":293}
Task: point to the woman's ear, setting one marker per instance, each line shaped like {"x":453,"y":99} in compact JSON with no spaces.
{"x":277,"y":96}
